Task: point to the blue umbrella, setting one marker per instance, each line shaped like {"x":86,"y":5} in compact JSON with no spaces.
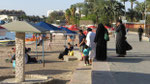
{"x":68,"y":31}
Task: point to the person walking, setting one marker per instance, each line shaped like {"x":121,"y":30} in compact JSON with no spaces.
{"x":120,"y":39}
{"x":81,"y":43}
{"x":140,"y":32}
{"x":90,"y":43}
{"x":101,"y":43}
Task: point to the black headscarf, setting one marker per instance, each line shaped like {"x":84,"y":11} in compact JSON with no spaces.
{"x":100,"y":33}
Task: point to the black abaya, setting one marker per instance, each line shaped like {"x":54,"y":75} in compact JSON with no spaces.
{"x":101,"y":43}
{"x":120,"y":40}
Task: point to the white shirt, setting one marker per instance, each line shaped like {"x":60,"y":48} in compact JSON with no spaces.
{"x":90,"y":39}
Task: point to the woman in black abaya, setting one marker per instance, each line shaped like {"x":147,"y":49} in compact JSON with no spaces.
{"x":101,"y":43}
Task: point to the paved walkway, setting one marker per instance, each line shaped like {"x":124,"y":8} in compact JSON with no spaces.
{"x":133,"y":69}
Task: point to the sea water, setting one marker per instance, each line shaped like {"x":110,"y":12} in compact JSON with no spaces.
{"x":11,"y":35}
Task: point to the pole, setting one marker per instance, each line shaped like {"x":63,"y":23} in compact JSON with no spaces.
{"x":43,"y":53}
{"x":36,"y":47}
{"x":145,"y":20}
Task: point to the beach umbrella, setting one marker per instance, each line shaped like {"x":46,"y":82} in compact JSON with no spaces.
{"x":85,"y":32}
{"x":73,"y":28}
{"x":92,"y":27}
{"x":68,"y":32}
{"x":21,"y":27}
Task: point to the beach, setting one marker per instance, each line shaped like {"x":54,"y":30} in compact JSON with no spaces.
{"x":61,"y":71}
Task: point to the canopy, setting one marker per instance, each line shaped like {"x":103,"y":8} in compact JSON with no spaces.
{"x":48,"y":27}
{"x":73,"y":28}
{"x":24,"y":26}
{"x":68,"y":31}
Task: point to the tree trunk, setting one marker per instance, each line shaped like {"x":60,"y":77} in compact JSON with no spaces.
{"x":20,"y":57}
{"x":131,"y":5}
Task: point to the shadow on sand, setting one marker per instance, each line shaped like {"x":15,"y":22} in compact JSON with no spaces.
{"x":47,"y":72}
{"x":5,"y":67}
{"x":46,"y":51}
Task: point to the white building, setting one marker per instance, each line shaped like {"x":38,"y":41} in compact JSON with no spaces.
{"x":7,"y":17}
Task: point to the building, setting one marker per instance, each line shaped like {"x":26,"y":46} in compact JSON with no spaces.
{"x":9,"y":15}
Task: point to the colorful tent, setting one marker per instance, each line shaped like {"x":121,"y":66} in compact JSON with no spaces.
{"x":73,"y":28}
{"x":68,"y":31}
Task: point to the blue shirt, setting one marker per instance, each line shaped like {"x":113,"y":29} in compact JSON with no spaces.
{"x":81,"y":37}
{"x":86,"y":51}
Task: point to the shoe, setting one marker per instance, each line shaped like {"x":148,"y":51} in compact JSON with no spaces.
{"x":85,"y":64}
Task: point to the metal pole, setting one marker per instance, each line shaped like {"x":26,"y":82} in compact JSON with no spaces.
{"x":145,"y":20}
{"x":36,"y":47}
{"x":43,"y":53}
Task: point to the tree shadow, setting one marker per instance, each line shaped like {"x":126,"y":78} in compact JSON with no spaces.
{"x":120,"y":77}
{"x":46,"y":52}
{"x":47,"y":72}
{"x":51,"y":61}
{"x":5,"y":67}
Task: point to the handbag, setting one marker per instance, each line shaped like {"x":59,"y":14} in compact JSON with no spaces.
{"x":106,"y":36}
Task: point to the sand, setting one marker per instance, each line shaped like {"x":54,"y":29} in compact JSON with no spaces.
{"x":61,"y":71}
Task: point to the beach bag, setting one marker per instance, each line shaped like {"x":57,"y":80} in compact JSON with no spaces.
{"x":71,"y":53}
{"x":106,"y":36}
{"x":128,"y":46}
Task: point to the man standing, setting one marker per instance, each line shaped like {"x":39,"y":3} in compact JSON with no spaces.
{"x":140,"y":32}
{"x":120,"y":39}
{"x":90,"y":43}
{"x":81,"y":43}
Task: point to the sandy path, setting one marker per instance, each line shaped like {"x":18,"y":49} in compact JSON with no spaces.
{"x":59,"y":70}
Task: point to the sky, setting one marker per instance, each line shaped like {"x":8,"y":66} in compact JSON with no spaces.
{"x":40,"y":7}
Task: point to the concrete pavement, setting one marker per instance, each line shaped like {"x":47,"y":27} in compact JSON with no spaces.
{"x":132,"y":69}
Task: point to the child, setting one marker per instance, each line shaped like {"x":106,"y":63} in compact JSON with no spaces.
{"x":86,"y":55}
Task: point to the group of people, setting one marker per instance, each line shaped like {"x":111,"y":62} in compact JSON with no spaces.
{"x":94,"y":45}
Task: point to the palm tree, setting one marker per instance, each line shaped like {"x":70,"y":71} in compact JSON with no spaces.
{"x":132,"y":2}
{"x":79,"y":6}
{"x":68,"y":15}
{"x":124,"y":1}
{"x":140,"y":7}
